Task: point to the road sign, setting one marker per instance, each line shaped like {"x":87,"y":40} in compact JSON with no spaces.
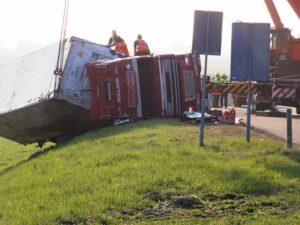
{"x":250,"y":58}
{"x":207,"y":28}
{"x":250,"y":55}
{"x":207,"y":40}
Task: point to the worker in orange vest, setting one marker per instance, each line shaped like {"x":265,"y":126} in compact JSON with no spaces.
{"x":141,"y":47}
{"x":119,"y":44}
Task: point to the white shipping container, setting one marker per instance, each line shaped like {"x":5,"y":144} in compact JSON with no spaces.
{"x":30,"y":109}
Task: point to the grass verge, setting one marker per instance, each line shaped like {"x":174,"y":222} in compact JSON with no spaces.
{"x":130,"y":175}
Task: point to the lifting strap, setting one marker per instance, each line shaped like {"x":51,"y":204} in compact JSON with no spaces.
{"x":60,"y":59}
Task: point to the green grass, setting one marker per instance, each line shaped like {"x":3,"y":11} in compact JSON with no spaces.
{"x":12,"y":153}
{"x":109,"y":177}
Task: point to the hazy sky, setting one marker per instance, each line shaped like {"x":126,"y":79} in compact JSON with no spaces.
{"x":166,"y":25}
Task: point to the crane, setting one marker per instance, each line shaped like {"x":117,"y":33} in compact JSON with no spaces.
{"x":283,"y":43}
{"x":284,"y":64}
{"x":295,"y":4}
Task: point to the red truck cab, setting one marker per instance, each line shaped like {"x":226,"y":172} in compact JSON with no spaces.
{"x":144,"y":86}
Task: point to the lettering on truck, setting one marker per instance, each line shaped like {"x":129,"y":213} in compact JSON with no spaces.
{"x":118,"y":88}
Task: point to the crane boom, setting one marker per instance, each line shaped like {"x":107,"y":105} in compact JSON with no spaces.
{"x":274,"y":14}
{"x":295,"y":4}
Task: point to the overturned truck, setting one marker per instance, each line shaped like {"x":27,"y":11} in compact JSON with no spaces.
{"x":97,"y":88}
{"x":145,"y":86}
{"x":32,"y":109}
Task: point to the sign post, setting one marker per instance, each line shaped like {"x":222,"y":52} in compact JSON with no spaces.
{"x":202,"y":123}
{"x":289,"y":129}
{"x":249,"y":99}
{"x":249,"y":103}
{"x":207,"y":40}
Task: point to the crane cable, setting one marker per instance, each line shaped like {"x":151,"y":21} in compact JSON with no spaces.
{"x":60,"y":59}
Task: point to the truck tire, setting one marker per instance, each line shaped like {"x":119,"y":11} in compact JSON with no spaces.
{"x":298,"y":110}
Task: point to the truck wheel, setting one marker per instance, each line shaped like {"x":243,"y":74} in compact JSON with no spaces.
{"x":298,"y":110}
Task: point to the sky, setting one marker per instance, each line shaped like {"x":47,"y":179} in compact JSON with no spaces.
{"x":167,"y":25}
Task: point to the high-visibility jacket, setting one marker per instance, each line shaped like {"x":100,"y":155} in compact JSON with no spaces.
{"x":142,"y":48}
{"x":121,"y":47}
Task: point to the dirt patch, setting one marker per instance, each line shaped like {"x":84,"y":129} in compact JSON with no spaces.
{"x":218,"y":206}
{"x":84,"y":221}
{"x":155,"y":212}
{"x":185,"y":202}
{"x":121,"y":213}
{"x":67,"y":223}
{"x":155,"y":196}
{"x":228,"y":196}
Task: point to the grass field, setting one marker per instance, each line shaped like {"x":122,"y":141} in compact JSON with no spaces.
{"x":131,"y":174}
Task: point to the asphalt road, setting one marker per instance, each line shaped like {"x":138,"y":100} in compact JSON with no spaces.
{"x":273,"y":125}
